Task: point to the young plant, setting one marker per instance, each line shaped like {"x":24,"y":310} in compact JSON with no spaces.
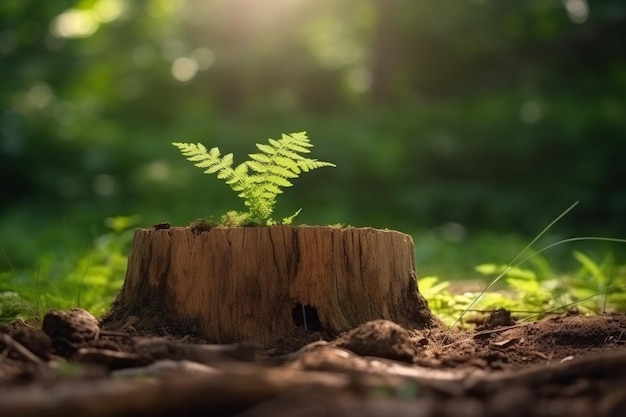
{"x":258,"y":180}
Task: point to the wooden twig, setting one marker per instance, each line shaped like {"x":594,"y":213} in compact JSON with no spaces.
{"x":20,"y":348}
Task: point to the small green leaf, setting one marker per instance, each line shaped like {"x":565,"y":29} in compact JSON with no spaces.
{"x":227,"y":160}
{"x":592,"y":267}
{"x":257,"y":167}
{"x":289,"y":219}
{"x":212,"y":169}
{"x":266,"y":149}
{"x":284,"y":162}
{"x":286,"y":153}
{"x":241,"y":170}
{"x":222,"y":175}
{"x":488,"y":269}
{"x":278,"y":180}
{"x":275,"y":143}
{"x":272,"y":188}
{"x":281,"y":171}
{"x":259,"y":157}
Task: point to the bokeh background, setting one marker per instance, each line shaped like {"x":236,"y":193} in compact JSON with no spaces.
{"x":470,"y":124}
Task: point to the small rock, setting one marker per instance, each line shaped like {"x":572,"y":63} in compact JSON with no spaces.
{"x":500,"y":317}
{"x":380,"y":338}
{"x":76,"y":325}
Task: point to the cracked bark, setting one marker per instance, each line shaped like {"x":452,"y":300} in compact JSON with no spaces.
{"x":230,"y":285}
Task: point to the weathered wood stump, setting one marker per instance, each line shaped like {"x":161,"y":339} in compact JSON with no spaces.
{"x":263,"y":284}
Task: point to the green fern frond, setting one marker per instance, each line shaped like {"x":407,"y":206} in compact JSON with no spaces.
{"x":278,"y":162}
{"x":258,"y":157}
{"x":211,"y":160}
{"x":258,"y":167}
{"x":311,"y":164}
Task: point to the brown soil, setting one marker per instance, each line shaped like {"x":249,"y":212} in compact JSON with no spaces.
{"x":566,"y":366}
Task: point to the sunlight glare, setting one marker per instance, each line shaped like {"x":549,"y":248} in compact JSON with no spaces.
{"x":109,"y":10}
{"x":184,"y":69}
{"x":164,"y":8}
{"x":74,"y":23}
{"x":158,"y":171}
{"x":40,"y":95}
{"x":577,"y":10}
{"x":530,"y":111}
{"x":204,"y":57}
{"x":104,"y":185}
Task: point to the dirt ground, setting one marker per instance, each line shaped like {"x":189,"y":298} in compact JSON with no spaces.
{"x":565,"y":366}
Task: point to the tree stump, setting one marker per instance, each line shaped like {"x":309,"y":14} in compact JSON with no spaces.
{"x":264,"y":284}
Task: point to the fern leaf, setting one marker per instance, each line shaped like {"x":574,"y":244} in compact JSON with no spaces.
{"x":286,"y":153}
{"x":300,"y":137}
{"x":289,"y":219}
{"x":287,"y":163}
{"x":270,"y":150}
{"x":201,"y":148}
{"x":236,"y":186}
{"x":272,"y":188}
{"x":258,"y":166}
{"x":272,"y":168}
{"x":241,"y":170}
{"x":259,"y":157}
{"x":282,"y":171}
{"x":227,"y":160}
{"x":298,"y":142}
{"x":297,"y":148}
{"x":201,"y":154}
{"x":275,"y":143}
{"x":224,"y":175}
{"x":310,"y":164}
{"x":212,"y":166}
{"x":190,"y":149}
{"x":221,"y":166}
{"x":278,"y":180}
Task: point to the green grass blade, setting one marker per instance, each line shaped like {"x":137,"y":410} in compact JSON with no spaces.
{"x":512,"y":263}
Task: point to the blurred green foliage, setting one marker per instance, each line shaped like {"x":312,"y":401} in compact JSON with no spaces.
{"x":454,"y":117}
{"x":89,"y":279}
{"x":531,"y":292}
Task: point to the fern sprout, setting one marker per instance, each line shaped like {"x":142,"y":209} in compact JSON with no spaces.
{"x":259,"y":180}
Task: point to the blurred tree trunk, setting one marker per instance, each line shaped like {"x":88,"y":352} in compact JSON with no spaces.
{"x":383,"y":51}
{"x":233,"y":37}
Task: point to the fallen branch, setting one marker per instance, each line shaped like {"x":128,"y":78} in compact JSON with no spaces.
{"x":11,"y":343}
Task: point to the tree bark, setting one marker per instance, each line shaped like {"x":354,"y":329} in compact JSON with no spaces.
{"x":265,"y":284}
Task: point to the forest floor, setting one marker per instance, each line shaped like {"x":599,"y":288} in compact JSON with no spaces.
{"x":564,"y":366}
